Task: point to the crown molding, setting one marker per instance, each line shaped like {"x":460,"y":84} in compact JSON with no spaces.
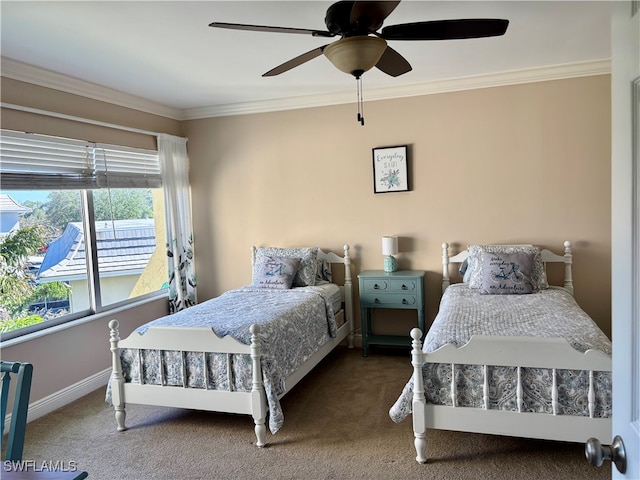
{"x":514,"y":77}
{"x":46,"y":78}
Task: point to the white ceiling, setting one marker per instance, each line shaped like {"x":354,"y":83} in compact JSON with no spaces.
{"x":164,"y":55}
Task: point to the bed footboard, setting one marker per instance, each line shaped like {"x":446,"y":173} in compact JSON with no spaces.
{"x":204,"y":340}
{"x":520,"y":353}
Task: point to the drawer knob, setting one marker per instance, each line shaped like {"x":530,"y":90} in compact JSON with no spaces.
{"x":376,"y":300}
{"x":404,"y":287}
{"x":404,"y":301}
{"x":376,"y":286}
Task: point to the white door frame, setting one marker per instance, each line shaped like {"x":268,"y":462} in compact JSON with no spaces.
{"x":625,"y":215}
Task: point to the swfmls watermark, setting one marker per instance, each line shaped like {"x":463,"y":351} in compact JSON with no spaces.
{"x":40,"y":466}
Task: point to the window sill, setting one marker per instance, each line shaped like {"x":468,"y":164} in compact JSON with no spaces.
{"x":90,"y":318}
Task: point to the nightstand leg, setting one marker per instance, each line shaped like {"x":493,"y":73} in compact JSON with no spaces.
{"x":364,"y":318}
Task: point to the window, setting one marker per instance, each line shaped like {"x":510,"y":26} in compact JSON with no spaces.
{"x":82,"y":229}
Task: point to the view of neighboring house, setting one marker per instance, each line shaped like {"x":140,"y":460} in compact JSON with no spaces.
{"x":10,"y":212}
{"x":130,"y":261}
{"x":124,"y":250}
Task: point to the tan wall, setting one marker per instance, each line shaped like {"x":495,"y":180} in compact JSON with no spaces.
{"x":526,"y":163}
{"x":519,"y":164}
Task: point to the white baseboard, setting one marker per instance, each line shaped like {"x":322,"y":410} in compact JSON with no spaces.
{"x":63,"y":397}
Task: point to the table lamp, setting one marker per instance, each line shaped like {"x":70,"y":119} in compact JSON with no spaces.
{"x":390,"y":248}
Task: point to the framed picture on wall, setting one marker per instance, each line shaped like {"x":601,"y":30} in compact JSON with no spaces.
{"x":390,"y":173}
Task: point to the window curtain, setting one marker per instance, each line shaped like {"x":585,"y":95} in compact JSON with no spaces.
{"x":174,"y":164}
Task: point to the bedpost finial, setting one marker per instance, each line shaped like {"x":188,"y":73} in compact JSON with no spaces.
{"x":416,"y":333}
{"x":568,"y":254}
{"x":445,"y":246}
{"x":114,"y":324}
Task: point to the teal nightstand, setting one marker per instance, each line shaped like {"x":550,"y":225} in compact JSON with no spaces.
{"x":403,"y":289}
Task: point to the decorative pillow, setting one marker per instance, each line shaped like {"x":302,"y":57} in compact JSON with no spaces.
{"x":306,"y":275}
{"x":506,"y":273}
{"x":275,"y":272}
{"x":323,"y":271}
{"x":474,"y":269}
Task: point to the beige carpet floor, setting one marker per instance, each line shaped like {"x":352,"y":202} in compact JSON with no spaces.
{"x":336,"y":427}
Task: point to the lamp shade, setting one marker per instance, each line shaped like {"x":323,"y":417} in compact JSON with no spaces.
{"x":389,"y":245}
{"x":355,"y":55}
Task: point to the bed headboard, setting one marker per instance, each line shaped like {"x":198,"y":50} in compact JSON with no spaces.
{"x":331,"y":257}
{"x":547,"y":257}
{"x":347,"y":287}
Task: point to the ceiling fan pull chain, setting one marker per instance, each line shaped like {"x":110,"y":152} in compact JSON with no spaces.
{"x":361,"y":104}
{"x":360,"y":101}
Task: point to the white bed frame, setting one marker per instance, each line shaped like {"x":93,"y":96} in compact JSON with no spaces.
{"x":554,"y":353}
{"x":203,"y":339}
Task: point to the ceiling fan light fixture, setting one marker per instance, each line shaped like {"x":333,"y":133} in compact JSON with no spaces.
{"x":355,"y":55}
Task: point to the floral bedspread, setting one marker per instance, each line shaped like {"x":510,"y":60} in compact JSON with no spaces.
{"x":294,"y":324}
{"x":548,"y":313}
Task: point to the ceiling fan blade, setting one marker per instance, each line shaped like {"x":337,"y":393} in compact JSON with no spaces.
{"x":266,"y":28}
{"x":446,"y":29}
{"x":371,"y":15}
{"x":392,"y":63}
{"x":294,"y":62}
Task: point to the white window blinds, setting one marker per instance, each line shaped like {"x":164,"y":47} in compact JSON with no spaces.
{"x":32,"y":161}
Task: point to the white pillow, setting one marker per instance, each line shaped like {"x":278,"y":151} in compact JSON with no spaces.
{"x":306,"y":275}
{"x":474,"y":270}
{"x":506,"y":273}
{"x":275,"y":272}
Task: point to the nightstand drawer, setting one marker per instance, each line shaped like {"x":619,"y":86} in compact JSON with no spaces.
{"x":388,"y":299}
{"x":392,"y":285}
{"x":403,"y":285}
{"x":375,"y":285}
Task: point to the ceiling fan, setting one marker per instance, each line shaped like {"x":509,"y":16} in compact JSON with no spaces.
{"x":362,"y":46}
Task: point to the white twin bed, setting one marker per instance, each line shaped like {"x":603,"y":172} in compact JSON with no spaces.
{"x":528,"y":365}
{"x":494,"y":360}
{"x":242,"y":351}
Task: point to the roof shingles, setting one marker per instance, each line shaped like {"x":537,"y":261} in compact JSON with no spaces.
{"x":124,"y":248}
